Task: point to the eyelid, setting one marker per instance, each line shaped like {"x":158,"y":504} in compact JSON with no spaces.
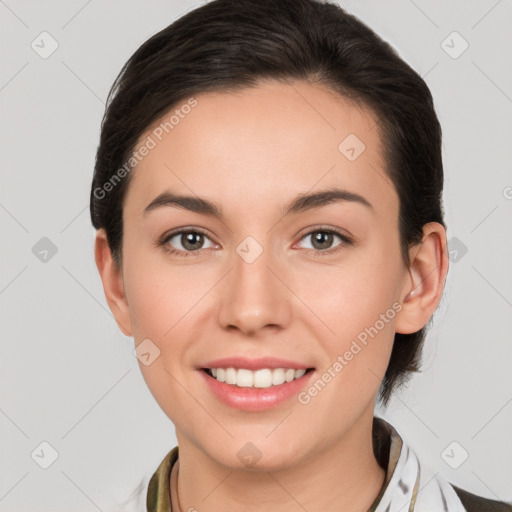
{"x":186,"y":229}
{"x":331,"y":229}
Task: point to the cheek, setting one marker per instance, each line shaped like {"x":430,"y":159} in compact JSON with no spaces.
{"x":149,"y":306}
{"x":360,"y":313}
{"x":158,"y":295}
{"x":355,"y":304}
{"x":347,"y":298}
{"x":158,"y":309}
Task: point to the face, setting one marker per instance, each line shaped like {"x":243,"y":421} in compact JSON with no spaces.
{"x":272,"y":285}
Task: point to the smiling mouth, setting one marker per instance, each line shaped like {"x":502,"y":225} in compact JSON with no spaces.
{"x":263,"y":378}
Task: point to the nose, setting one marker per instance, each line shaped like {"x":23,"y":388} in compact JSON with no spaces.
{"x":254,"y":293}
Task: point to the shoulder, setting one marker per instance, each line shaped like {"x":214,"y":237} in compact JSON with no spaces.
{"x":474,"y":503}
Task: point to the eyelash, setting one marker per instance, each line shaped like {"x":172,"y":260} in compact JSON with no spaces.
{"x":345,"y":240}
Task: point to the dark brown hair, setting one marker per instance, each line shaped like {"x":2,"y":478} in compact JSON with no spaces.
{"x":226,"y":45}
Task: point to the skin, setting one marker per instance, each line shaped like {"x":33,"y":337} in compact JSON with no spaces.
{"x":251,"y":152}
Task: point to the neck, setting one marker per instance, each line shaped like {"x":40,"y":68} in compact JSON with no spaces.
{"x":346,"y":476}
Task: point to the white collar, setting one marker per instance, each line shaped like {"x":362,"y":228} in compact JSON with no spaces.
{"x":412,"y":486}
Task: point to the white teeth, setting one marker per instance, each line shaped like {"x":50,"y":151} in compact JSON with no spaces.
{"x":289,"y":375}
{"x":263,"y":378}
{"x":299,"y":373}
{"x":244,"y":378}
{"x":230,"y":376}
{"x":278,"y":376}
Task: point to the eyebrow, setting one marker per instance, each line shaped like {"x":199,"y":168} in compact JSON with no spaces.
{"x":301,"y":203}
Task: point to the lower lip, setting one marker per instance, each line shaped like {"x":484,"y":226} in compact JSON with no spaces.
{"x":255,"y":399}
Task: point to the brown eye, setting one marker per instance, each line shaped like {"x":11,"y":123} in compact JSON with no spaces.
{"x":191,"y":241}
{"x":324,"y":240}
{"x":186,"y":241}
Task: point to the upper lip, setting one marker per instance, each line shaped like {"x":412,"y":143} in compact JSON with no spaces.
{"x":255,"y":364}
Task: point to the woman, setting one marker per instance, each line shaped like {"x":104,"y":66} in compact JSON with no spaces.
{"x":267,"y":195}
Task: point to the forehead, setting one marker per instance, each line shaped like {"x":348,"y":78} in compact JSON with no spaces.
{"x":264,"y":143}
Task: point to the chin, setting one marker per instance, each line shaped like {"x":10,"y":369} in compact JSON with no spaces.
{"x":258,"y":455}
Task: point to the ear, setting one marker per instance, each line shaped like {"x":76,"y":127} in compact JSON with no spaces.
{"x":424,"y":283}
{"x":113,"y":286}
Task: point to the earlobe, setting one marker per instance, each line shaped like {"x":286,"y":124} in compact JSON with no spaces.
{"x":113,"y":285}
{"x":424,"y":283}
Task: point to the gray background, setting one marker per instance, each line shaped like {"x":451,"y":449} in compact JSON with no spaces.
{"x":69,"y":377}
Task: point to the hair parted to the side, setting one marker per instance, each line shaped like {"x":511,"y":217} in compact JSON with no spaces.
{"x":226,"y":45}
